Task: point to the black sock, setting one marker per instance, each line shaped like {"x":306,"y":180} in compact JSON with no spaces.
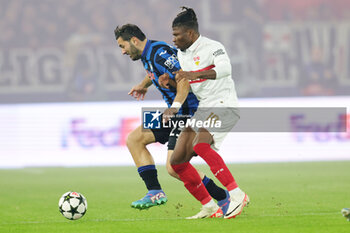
{"x":215,"y":191}
{"x":149,"y":175}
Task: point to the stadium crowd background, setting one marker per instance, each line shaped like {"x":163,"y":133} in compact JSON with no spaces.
{"x":61,"y":51}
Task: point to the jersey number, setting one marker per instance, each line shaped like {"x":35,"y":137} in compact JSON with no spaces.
{"x":213,"y":117}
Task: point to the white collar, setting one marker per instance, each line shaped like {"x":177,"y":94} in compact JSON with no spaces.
{"x":194,"y":45}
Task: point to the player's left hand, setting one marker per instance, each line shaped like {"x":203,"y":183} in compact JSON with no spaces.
{"x":168,"y":114}
{"x":138,"y":92}
{"x":185,"y":75}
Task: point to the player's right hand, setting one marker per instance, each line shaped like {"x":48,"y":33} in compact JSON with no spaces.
{"x":169,"y":113}
{"x":165,"y":81}
{"x":138,"y":92}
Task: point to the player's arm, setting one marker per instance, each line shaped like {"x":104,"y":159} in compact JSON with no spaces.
{"x":167,"y":63}
{"x":139,"y":91}
{"x":222,"y":62}
{"x":146,"y":82}
{"x":183,"y":88}
{"x":207,"y":74}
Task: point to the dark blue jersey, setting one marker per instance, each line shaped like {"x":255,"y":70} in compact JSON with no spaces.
{"x":158,"y":58}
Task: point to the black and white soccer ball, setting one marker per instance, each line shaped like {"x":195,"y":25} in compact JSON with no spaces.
{"x":72,"y":205}
{"x":346,"y":213}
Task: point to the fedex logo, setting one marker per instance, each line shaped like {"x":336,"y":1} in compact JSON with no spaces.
{"x":339,"y":130}
{"x":80,"y":133}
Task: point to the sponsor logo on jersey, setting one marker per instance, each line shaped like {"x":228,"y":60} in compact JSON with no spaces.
{"x":218,"y":52}
{"x":171,"y":61}
{"x":162,"y":53}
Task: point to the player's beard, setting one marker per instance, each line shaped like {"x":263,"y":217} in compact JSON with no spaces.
{"x":135,"y":54}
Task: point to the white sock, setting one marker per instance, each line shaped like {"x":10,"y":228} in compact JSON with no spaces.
{"x":236,"y":193}
{"x":210,"y":204}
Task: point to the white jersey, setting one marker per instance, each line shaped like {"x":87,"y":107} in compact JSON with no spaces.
{"x":205,"y":54}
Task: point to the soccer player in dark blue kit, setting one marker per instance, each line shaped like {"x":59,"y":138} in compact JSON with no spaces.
{"x":158,"y":59}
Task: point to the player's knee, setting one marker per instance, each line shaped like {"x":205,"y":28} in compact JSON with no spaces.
{"x":175,"y":158}
{"x":135,"y":138}
{"x":171,"y":170}
{"x":203,"y":136}
{"x":181,"y":156}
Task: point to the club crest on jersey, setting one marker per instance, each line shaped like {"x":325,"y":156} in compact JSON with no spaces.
{"x":196,"y":60}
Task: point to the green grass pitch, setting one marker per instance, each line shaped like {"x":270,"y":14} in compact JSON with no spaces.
{"x":285,"y":197}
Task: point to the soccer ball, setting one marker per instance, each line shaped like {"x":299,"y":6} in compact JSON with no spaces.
{"x":346,"y":213}
{"x":72,"y":205}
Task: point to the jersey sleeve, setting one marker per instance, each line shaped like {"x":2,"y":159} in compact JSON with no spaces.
{"x":166,"y":61}
{"x":221,"y":61}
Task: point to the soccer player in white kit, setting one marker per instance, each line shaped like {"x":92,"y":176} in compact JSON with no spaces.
{"x":206,"y":68}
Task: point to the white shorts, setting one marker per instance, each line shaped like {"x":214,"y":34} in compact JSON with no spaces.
{"x":227,"y":116}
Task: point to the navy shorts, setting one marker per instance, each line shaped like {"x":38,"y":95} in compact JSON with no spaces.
{"x":168,"y":134}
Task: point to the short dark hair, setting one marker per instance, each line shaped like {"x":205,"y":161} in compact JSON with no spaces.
{"x":127,"y":31}
{"x":186,"y":18}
